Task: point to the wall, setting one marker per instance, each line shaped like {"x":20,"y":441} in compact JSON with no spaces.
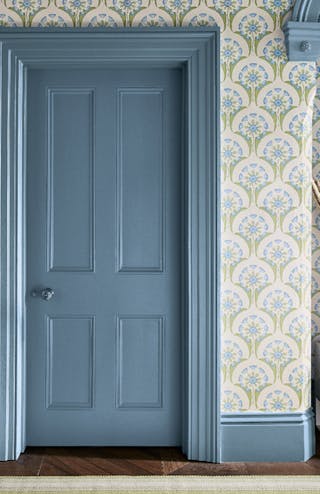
{"x":316,"y":236}
{"x":266,"y":202}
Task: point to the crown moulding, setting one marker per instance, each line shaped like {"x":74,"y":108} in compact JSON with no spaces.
{"x":302,"y":33}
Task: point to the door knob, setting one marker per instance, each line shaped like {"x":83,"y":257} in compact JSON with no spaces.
{"x":44,"y":293}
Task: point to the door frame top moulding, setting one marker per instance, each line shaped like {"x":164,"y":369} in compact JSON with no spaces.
{"x":302,"y":33}
{"x":197,"y":52}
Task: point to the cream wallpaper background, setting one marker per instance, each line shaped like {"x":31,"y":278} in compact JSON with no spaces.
{"x":267,"y":111}
{"x":315,"y":287}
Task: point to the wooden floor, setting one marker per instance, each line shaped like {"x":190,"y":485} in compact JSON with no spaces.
{"x":140,"y":461}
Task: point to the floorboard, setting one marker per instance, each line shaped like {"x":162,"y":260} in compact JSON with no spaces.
{"x":140,"y":461}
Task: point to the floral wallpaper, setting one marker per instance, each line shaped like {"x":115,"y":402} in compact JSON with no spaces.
{"x":267,"y":161}
{"x":315,"y":286}
{"x":267,"y":106}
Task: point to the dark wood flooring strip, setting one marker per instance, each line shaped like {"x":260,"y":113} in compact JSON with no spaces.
{"x":139,"y":461}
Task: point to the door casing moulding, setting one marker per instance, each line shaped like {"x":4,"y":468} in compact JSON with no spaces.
{"x":197,"y":52}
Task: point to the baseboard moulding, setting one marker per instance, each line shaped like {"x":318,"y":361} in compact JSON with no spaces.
{"x":262,"y":437}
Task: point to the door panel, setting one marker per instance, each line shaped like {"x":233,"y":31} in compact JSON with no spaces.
{"x":70,"y":168}
{"x":140,"y":183}
{"x":72,"y":388}
{"x":140,"y":336}
{"x":104,"y":222}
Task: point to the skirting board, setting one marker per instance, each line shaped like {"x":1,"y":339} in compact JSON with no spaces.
{"x":267,"y":437}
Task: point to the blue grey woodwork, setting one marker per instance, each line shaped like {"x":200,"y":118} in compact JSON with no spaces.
{"x":116,"y":384}
{"x":140,"y":338}
{"x":306,"y":11}
{"x":197,"y":51}
{"x":70,"y":151}
{"x":141,"y":230}
{"x":302,"y":33}
{"x":267,"y":437}
{"x":69,"y":371}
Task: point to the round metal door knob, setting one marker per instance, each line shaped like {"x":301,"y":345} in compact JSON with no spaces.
{"x":44,"y":293}
{"x":305,"y":45}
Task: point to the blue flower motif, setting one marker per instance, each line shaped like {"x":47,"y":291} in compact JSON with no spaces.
{"x":275,"y":52}
{"x":278,"y":353}
{"x":253,"y":227}
{"x":127,"y":7}
{"x":26,"y":9}
{"x":278,"y":152}
{"x":253,"y":277}
{"x":176,"y":7}
{"x":300,"y":226}
{"x":202,"y":19}
{"x":153,"y":19}
{"x":278,"y":6}
{"x":303,"y":77}
{"x":227,"y":6}
{"x":51,"y":20}
{"x":253,"y":126}
{"x":253,"y":76}
{"x":301,"y":125}
{"x":231,"y":51}
{"x":102,"y":20}
{"x":278,"y":101}
{"x":253,"y":328}
{"x":278,"y":252}
{"x":231,"y":353}
{"x":253,"y":176}
{"x":278,"y":302}
{"x":231,"y":303}
{"x":299,"y":327}
{"x":232,"y":152}
{"x":278,"y":201}
{"x":77,"y":7}
{"x":253,"y":26}
{"x":231,"y":202}
{"x":278,"y":401}
{"x":7,"y":21}
{"x":299,"y":377}
{"x":253,"y":378}
{"x":231,"y":101}
{"x":300,"y":176}
{"x":231,"y":402}
{"x":299,"y":277}
{"x":231,"y":252}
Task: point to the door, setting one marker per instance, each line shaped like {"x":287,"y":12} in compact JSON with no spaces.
{"x":103,"y":233}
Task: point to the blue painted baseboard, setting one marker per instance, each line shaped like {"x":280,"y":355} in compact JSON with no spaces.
{"x":267,"y":437}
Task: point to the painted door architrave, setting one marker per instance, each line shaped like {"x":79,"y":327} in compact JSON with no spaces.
{"x":197,"y":51}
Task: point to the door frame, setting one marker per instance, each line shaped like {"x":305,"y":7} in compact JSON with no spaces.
{"x":197,"y":52}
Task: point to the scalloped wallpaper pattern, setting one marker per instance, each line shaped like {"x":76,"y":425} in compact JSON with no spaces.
{"x":267,"y":143}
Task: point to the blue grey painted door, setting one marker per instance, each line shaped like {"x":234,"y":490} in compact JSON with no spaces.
{"x":104,"y":223}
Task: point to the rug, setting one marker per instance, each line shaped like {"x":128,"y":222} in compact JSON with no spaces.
{"x":306,"y":484}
